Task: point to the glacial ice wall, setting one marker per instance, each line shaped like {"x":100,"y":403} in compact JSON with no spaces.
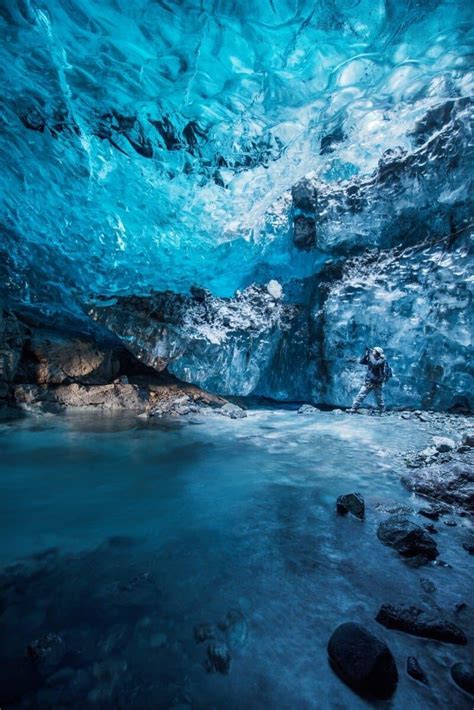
{"x":143,"y":142}
{"x":150,"y":148}
{"x":419,"y":305}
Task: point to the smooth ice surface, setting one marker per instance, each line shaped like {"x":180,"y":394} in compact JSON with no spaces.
{"x":142,"y":142}
{"x":158,"y":527}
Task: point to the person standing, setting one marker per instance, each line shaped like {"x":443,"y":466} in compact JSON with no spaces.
{"x":378,"y":372}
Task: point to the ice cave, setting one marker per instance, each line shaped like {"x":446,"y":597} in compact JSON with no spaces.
{"x":236,"y":380}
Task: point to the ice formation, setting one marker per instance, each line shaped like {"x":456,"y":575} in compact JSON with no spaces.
{"x":151,"y":147}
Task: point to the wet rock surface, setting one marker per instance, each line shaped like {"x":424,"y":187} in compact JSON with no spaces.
{"x":77,"y":364}
{"x":451,"y":483}
{"x":352,"y":503}
{"x":463,"y":676}
{"x":420,"y":622}
{"x":415,"y":671}
{"x":363,"y":660}
{"x":154,"y":396}
{"x":408,"y":539}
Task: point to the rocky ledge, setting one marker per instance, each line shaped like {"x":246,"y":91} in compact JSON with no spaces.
{"x":56,"y":363}
{"x":444,"y":472}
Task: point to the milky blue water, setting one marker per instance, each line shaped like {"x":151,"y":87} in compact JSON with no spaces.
{"x":151,"y":529}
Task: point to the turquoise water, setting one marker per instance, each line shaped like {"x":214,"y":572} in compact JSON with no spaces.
{"x":152,"y":528}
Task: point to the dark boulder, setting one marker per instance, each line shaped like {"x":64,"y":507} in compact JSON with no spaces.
{"x":362,"y":660}
{"x":420,"y":622}
{"x":463,"y":676}
{"x":414,"y":671}
{"x":351,"y":503}
{"x":434,"y":511}
{"x":407,"y":538}
{"x":218,"y":658}
{"x":468,"y":438}
{"x":451,"y":483}
{"x":469,"y":547}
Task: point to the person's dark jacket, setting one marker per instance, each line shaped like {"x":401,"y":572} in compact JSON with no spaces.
{"x":377,"y":373}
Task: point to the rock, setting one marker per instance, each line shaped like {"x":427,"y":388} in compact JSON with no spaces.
{"x":450,"y":523}
{"x":468,"y":438}
{"x":156,"y":395}
{"x":218,"y":658}
{"x":443,"y":443}
{"x":420,"y":622}
{"x":469,"y":547}
{"x":433,"y":512}
{"x":414,"y":670}
{"x":204,"y":632}
{"x":13,"y":334}
{"x":274,"y":289}
{"x":461,"y":606}
{"x":407,"y":538}
{"x":431,"y":529}
{"x":308,"y":409}
{"x":451,"y":483}
{"x":351,"y":503}
{"x":463,"y":676}
{"x":52,"y":357}
{"x":98,"y":397}
{"x":47,"y":653}
{"x":363,"y":660}
{"x":232,"y":411}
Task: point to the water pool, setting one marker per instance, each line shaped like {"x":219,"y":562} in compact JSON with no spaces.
{"x":121,"y":535}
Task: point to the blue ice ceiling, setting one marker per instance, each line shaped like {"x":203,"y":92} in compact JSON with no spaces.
{"x":150,"y":145}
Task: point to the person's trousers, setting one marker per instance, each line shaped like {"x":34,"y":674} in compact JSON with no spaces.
{"x":365,"y":390}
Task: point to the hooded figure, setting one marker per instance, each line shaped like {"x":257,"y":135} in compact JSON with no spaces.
{"x":378,"y":372}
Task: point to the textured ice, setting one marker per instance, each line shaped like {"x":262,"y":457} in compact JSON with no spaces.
{"x":143,"y":142}
{"x":419,"y":306}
